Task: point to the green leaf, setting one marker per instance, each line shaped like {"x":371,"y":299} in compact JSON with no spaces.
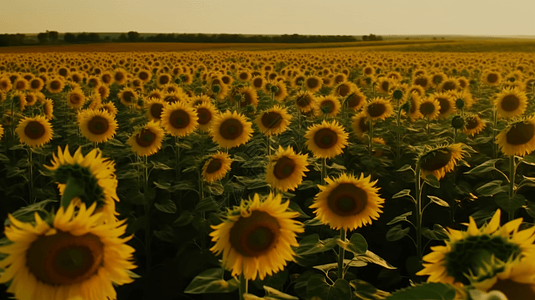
{"x":307,"y":184}
{"x":366,"y":291}
{"x":336,"y":167}
{"x":115,"y":142}
{"x":320,"y":289}
{"x":396,"y":233}
{"x":438,"y":201}
{"x":211,"y":281}
{"x":215,"y":188}
{"x":166,"y":234}
{"x":370,"y":257}
{"x":312,"y":244}
{"x":277,"y":295}
{"x":484,"y":168}
{"x":432,"y":181}
{"x":402,"y":193}
{"x":295,"y":207}
{"x":351,"y":262}
{"x":357,"y":244}
{"x":425,"y":291}
{"x":405,"y":168}
{"x":400,"y":218}
{"x":167,"y":206}
{"x":528,"y":160}
{"x":490,"y":188}
{"x":438,"y":233}
{"x":26,"y":213}
{"x":184,"y":219}
{"x":160,"y":166}
{"x":4,"y":159}
{"x":206,"y":204}
{"x":509,"y":205}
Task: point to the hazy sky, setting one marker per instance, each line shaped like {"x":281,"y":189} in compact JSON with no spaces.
{"x":344,"y":17}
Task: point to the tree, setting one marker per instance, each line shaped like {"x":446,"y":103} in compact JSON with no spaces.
{"x":133,"y":36}
{"x":123,"y":38}
{"x":42,"y":38}
{"x":69,"y":38}
{"x":53,"y":36}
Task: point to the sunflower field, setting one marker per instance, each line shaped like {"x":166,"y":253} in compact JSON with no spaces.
{"x":315,"y":175}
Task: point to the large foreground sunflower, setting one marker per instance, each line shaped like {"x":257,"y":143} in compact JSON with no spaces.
{"x":518,"y":138}
{"x":75,"y":257}
{"x":231,"y":129}
{"x":326,"y":140}
{"x":98,"y":126}
{"x":440,"y":160}
{"x":468,"y":252}
{"x":34,"y":132}
{"x":286,"y":169}
{"x":148,"y":140}
{"x":257,"y":237}
{"x":216,"y":167}
{"x":348,"y":202}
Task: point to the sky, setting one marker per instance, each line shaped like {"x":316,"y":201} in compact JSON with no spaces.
{"x":322,"y":17}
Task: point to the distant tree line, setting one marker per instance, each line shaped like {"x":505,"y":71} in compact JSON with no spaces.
{"x":53,"y":37}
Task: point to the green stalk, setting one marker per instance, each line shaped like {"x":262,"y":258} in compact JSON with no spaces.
{"x":177,"y":160}
{"x":30,"y":169}
{"x":341,"y":254}
{"x":398,"y":133}
{"x":203,"y":216}
{"x":511,"y":184}
{"x":370,"y":142}
{"x":418,"y":213}
{"x":494,"y":124}
{"x":243,"y":285}
{"x":323,"y":170}
{"x":147,"y":221}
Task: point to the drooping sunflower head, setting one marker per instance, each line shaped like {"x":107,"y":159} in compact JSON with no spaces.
{"x":477,"y":250}
{"x":344,"y":89}
{"x":231,"y":129}
{"x":273,"y":121}
{"x":378,"y":108}
{"x":511,"y":103}
{"x":359,"y":123}
{"x":348,"y":202}
{"x":326,"y":140}
{"x":247,"y":96}
{"x":98,"y":126}
{"x":518,"y":138}
{"x":446,"y":102}
{"x":75,"y":257}
{"x":179,"y":119}
{"x":474,"y":125}
{"x":216,"y":167}
{"x":422,"y":81}
{"x":450,"y":84}
{"x":384,"y":85}
{"x":34,"y":132}
{"x":329,"y":106}
{"x":206,"y":112}
{"x":440,"y":160}
{"x":256,"y":232}
{"x":155,"y":108}
{"x":286,"y":169}
{"x":148,"y":140}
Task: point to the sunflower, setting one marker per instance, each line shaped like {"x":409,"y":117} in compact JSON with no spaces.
{"x":1,"y":131}
{"x":76,"y":98}
{"x":440,"y":160}
{"x":257,"y":237}
{"x":422,"y":81}
{"x":463,"y":99}
{"x":348,"y":202}
{"x":155,"y":108}
{"x":344,"y":89}
{"x":355,"y":100}
{"x":93,"y":82}
{"x":313,"y":83}
{"x":55,"y":85}
{"x":128,"y":96}
{"x":446,"y":102}
{"x":179,"y":119}
{"x":511,"y":103}
{"x":231,"y":129}
{"x":305,"y":102}
{"x":258,"y":82}
{"x":31,"y":99}
{"x":98,"y":126}
{"x":247,"y":96}
{"x":48,"y":109}
{"x":103,"y":91}
{"x":216,"y":167}
{"x":109,"y":107}
{"x":148,"y":140}
{"x":36,"y":84}
{"x":21,"y":84}
{"x":279,"y":90}
{"x":93,"y":175}
{"x":244,"y":75}
{"x":144,"y":75}
{"x":326,"y":140}
{"x":468,"y":252}
{"x":119,"y":76}
{"x":474,"y":125}
{"x":384,"y":85}
{"x":75,"y":257}
{"x":329,"y":106}
{"x":286,"y":169}
{"x":378,"y":108}
{"x":430,"y":108}
{"x":491,"y":78}
{"x":450,"y":84}
{"x":5,"y":84}
{"x":34,"y":132}
{"x":438,"y":78}
{"x":205,"y":114}
{"x":359,"y":123}
{"x":273,"y":121}
{"x":518,"y":138}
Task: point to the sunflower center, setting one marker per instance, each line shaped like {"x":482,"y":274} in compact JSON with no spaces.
{"x":214,"y":165}
{"x":271,"y":119}
{"x":156,"y":110}
{"x":119,"y":76}
{"x":427,"y":108}
{"x":284,"y":168}
{"x":376,"y":109}
{"x":35,"y":84}
{"x":325,"y":138}
{"x":179,"y":119}
{"x":448,"y":86}
{"x":98,"y":125}
{"x":327,"y":106}
{"x":343,"y":90}
{"x":363,"y":124}
{"x":303,"y":101}
{"x":231,"y":129}
{"x":254,"y":235}
{"x":128,"y":96}
{"x":520,"y":133}
{"x":353,"y":100}
{"x":312,"y":82}
{"x":514,"y":290}
{"x":143,"y":75}
{"x":65,"y":259}
{"x":492,"y":78}
{"x":55,"y":85}
{"x":145,"y":138}
{"x":106,"y":78}
{"x":398,"y":94}
{"x":34,"y":130}
{"x":436,"y":160}
{"x":347,"y":200}
{"x":473,"y":251}
{"x":471,"y":123}
{"x":257,"y":82}
{"x":510,"y":103}
{"x":421,"y":81}
{"x":385,"y":85}
{"x":204,"y":116}
{"x":444,"y":105}
{"x":163,"y":80}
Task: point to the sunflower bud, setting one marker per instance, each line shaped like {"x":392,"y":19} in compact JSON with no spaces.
{"x":406,"y":106}
{"x":459,"y":103}
{"x":274,"y":88}
{"x":457,"y":122}
{"x":398,"y":94}
{"x":216,"y":88}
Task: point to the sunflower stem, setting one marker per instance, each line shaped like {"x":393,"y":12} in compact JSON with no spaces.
{"x":147,"y":223}
{"x":398,"y":140}
{"x":243,"y":286}
{"x":370,"y":142}
{"x":323,"y":170}
{"x":177,"y":160}
{"x":341,"y":254}
{"x":30,"y":169}
{"x":494,"y":124}
{"x":512,"y":174}
{"x":418,"y":212}
{"x":203,"y":216}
